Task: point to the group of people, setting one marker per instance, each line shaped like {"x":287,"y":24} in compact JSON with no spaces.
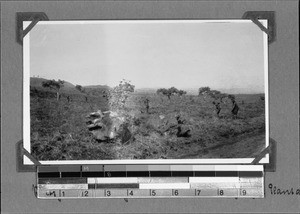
{"x":234,"y":110}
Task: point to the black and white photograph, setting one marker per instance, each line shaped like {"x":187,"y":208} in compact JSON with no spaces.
{"x":146,"y":91}
{"x":150,"y":106}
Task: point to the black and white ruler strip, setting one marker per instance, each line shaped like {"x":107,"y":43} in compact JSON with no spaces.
{"x":203,"y":181}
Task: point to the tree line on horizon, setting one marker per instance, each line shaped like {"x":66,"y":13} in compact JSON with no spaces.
{"x":126,"y":85}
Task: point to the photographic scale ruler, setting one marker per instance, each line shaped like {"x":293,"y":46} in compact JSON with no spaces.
{"x":146,"y":181}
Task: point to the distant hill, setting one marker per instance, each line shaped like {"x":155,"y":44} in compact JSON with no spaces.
{"x":96,"y":90}
{"x":69,"y":88}
{"x":97,"y":86}
{"x":36,"y":81}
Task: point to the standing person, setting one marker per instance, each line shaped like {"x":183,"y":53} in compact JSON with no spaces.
{"x":58,"y":96}
{"x":147,"y":105}
{"x":235,"y":108}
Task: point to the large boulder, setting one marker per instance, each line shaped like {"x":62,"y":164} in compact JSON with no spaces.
{"x":183,"y":131}
{"x":175,"y":124}
{"x":108,"y":125}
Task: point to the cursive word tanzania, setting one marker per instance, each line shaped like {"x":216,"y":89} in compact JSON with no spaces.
{"x":277,"y":191}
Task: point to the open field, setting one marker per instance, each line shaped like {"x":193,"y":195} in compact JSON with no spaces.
{"x":185,"y":127}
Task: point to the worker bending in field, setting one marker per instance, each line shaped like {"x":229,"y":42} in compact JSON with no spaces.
{"x":218,"y":107}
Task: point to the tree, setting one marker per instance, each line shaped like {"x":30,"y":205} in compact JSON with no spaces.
{"x":217,"y":95}
{"x":79,"y":88}
{"x":170,"y":91}
{"x":82,"y":90}
{"x":203,"y":90}
{"x":215,"y":92}
{"x":118,"y":95}
{"x":181,"y":92}
{"x":173,"y":90}
{"x":164,"y":91}
{"x":54,"y":85}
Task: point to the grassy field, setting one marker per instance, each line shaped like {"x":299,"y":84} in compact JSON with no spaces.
{"x":59,"y":130}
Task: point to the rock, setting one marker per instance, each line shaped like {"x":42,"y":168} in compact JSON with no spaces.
{"x":175,"y":124}
{"x":57,"y":137}
{"x":167,"y":124}
{"x":183,"y":131}
{"x":97,"y":114}
{"x":161,"y":116}
{"x":108,"y":125}
{"x":99,"y":130}
{"x":182,"y":118}
{"x":94,"y":126}
{"x":124,"y":133}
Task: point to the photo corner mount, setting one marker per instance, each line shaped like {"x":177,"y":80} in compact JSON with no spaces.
{"x":271,"y":150}
{"x":268,"y":15}
{"x":21,"y":152}
{"x":34,"y":17}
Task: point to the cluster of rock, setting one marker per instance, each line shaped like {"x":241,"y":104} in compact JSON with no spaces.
{"x":110,"y":125}
{"x":175,"y":124}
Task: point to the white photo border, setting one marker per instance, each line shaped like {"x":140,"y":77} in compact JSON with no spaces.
{"x":26,"y":98}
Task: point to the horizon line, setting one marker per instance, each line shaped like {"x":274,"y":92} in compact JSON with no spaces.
{"x":154,"y":88}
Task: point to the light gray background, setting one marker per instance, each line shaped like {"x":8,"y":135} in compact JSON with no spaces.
{"x":16,"y":193}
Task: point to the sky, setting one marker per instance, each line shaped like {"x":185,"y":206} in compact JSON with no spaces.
{"x":151,"y":54}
